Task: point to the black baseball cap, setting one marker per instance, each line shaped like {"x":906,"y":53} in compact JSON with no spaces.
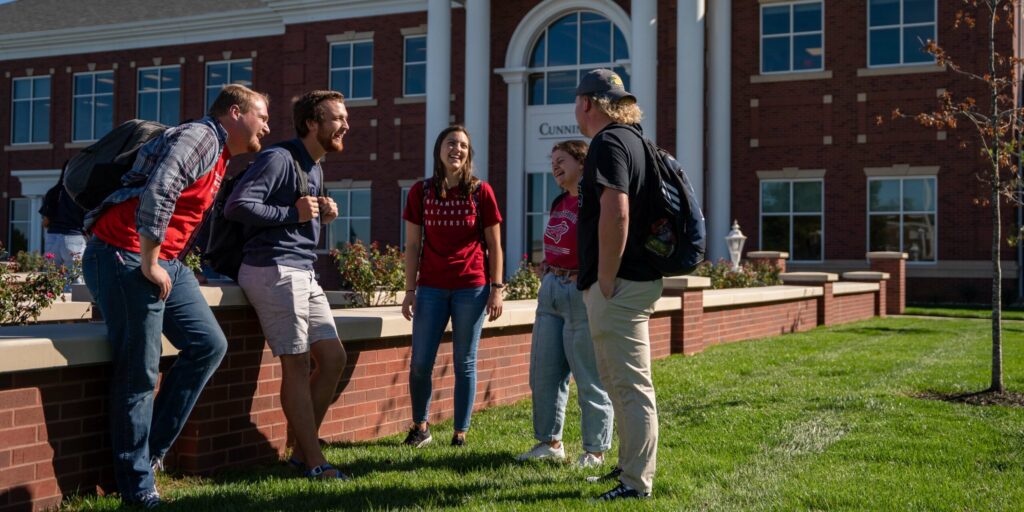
{"x":603,"y":82}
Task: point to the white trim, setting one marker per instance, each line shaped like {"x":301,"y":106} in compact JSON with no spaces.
{"x":306,"y":11}
{"x":223,"y":26}
{"x":350,"y":36}
{"x":34,"y":185}
{"x":901,"y":27}
{"x":529,"y":29}
{"x":791,"y":35}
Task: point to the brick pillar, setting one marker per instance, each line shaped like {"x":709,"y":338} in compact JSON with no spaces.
{"x":687,"y":325}
{"x":895,"y":264}
{"x":880,"y":310}
{"x":773,"y":258}
{"x":826,"y":306}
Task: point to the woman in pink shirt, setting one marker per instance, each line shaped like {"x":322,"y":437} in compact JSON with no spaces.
{"x":454,"y":218}
{"x":561,"y":336}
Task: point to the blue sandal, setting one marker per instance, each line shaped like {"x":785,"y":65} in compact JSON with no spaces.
{"x":318,"y":472}
{"x":298,"y":464}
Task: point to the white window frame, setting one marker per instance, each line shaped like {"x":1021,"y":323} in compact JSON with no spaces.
{"x":206,"y":77}
{"x":11,"y":224}
{"x":549,"y":195}
{"x":404,"y":198}
{"x":790,"y":214}
{"x":343,"y":216}
{"x":901,"y":26}
{"x":94,"y":95}
{"x":902,"y":213}
{"x":791,"y":35}
{"x":352,"y":67}
{"x":159,"y":96}
{"x":31,"y":108}
{"x":406,"y":64}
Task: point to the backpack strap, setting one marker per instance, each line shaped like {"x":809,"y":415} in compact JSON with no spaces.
{"x":302,"y":173}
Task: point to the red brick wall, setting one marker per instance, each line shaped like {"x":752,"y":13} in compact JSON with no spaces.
{"x":726,"y":324}
{"x":851,"y":308}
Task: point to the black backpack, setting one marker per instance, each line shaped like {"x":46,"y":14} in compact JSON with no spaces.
{"x":96,"y":171}
{"x":676,"y":237}
{"x":221,"y":239}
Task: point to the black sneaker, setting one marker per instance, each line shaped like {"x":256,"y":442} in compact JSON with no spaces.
{"x":418,"y":438}
{"x":459,"y":441}
{"x":612,"y":475}
{"x":623,"y":491}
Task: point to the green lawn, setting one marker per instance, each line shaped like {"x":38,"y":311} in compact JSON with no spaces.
{"x":822,"y":420}
{"x":965,"y":312}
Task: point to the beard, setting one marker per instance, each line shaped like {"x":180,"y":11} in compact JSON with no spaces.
{"x":254,"y":145}
{"x":326,"y":141}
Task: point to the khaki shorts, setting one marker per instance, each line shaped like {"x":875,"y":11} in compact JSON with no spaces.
{"x":292,"y":308}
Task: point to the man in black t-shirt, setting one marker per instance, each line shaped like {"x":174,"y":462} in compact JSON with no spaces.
{"x":610,"y":248}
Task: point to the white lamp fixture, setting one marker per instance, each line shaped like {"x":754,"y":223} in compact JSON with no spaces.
{"x":735,"y":240}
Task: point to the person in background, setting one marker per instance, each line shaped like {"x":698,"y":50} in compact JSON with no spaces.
{"x":63,"y":220}
{"x":561,"y":337}
{"x":453,"y":271}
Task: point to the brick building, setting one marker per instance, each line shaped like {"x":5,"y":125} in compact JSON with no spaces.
{"x":770,"y":103}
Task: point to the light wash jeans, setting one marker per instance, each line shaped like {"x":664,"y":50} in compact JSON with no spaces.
{"x":66,"y":249}
{"x":142,"y":428}
{"x":562,"y":344}
{"x":434,"y":306}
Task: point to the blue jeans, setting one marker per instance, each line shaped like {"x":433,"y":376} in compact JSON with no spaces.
{"x":562,"y":344}
{"x":142,"y":428}
{"x":434,"y":306}
{"x":66,"y":249}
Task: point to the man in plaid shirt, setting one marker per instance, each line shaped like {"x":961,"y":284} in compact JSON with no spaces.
{"x":131,"y":266}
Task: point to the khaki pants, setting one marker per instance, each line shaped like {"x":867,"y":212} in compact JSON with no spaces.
{"x":622,"y":346}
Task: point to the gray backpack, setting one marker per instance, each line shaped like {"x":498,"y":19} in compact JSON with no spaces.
{"x":95,"y":173}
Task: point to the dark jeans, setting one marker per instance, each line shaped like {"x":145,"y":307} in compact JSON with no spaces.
{"x":434,"y":307}
{"x":142,"y":428}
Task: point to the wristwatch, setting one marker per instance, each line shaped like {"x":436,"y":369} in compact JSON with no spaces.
{"x":498,"y":285}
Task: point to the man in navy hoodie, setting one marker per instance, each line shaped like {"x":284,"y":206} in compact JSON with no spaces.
{"x":277,"y":268}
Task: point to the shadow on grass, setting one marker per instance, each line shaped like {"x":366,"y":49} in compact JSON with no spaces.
{"x":876,"y":331}
{"x":983,"y":398}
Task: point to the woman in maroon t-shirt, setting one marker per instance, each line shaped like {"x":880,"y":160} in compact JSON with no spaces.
{"x":454,"y":218}
{"x":561,"y":335}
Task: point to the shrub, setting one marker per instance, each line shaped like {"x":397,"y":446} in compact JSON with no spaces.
{"x":374,"y":275}
{"x":525,"y":283}
{"x":23,"y":299}
{"x":31,"y":261}
{"x":750,"y":275}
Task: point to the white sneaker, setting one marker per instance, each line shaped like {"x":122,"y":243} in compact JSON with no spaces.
{"x":589,"y":460}
{"x":543,"y":451}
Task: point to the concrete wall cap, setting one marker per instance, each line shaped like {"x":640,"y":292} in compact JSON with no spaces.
{"x":768,"y":255}
{"x":764,"y":294}
{"x":887,"y":255}
{"x":808,"y":277}
{"x":852,"y":287}
{"x":687,"y":283}
{"x":865,"y":275}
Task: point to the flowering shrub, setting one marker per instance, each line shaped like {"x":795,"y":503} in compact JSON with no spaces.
{"x":22,"y":299}
{"x":525,"y":283}
{"x":374,"y":275}
{"x":31,"y":261}
{"x":750,"y":275}
{"x":194,"y":260}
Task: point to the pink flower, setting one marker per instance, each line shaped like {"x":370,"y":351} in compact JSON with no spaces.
{"x":50,"y":256}
{"x":50,"y":295}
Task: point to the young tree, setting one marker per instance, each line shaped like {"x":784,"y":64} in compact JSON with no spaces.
{"x":995,"y":124}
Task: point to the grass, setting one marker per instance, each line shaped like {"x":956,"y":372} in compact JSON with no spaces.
{"x":965,"y":311}
{"x":816,"y":421}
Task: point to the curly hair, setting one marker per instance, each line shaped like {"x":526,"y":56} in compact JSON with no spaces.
{"x":624,"y":111}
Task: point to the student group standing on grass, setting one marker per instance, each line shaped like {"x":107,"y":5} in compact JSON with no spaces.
{"x":593,"y":307}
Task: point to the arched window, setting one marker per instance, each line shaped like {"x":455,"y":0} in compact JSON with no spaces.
{"x":569,"y":48}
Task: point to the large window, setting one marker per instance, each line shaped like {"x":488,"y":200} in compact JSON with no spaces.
{"x":160,"y":94}
{"x":568,"y":49}
{"x":30,"y":105}
{"x":352,"y":69}
{"x":792,"y":218}
{"x":219,"y":74}
{"x":20,"y":225}
{"x":901,"y":216}
{"x":415,"y":77}
{"x":93,"y":105}
{"x":898,"y":31}
{"x":541,"y":190}
{"x":353,"y":222}
{"x":792,"y":37}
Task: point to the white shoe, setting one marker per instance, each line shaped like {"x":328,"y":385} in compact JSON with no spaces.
{"x":589,"y":460}
{"x":543,"y":451}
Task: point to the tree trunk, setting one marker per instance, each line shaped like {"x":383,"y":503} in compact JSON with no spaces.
{"x":997,"y":273}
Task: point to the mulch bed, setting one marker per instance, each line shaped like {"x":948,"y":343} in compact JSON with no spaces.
{"x":1008,"y":398}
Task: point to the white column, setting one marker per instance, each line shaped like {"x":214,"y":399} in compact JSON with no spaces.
{"x":34,"y":185}
{"x":35,"y":236}
{"x":478,"y":81}
{"x":439,"y":75}
{"x":719,"y":127}
{"x":643,"y":56}
{"x":690,"y":91}
{"x":515,"y":174}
